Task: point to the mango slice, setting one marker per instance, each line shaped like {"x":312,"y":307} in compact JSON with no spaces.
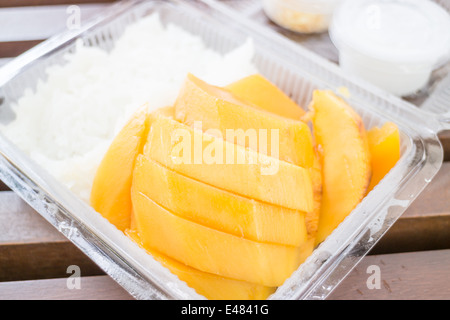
{"x":253,"y":127}
{"x":259,"y":91}
{"x":209,"y":285}
{"x":216,"y":208}
{"x":346,"y":165}
{"x":384,"y":145}
{"x":312,"y":217}
{"x":110,"y":194}
{"x":210,"y":250}
{"x":225,"y":165}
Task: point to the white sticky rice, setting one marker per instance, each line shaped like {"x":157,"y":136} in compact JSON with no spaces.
{"x":67,"y":123}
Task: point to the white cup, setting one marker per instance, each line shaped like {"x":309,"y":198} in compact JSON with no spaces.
{"x":394,"y":44}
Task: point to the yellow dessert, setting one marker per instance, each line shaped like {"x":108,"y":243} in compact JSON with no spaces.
{"x":218,"y":109}
{"x":259,"y":91}
{"x":225,"y":165}
{"x":235,"y":217}
{"x":209,"y":285}
{"x":384,"y":144}
{"x":110,"y":194}
{"x":210,"y":250}
{"x":346,"y":168}
{"x":217,"y":208}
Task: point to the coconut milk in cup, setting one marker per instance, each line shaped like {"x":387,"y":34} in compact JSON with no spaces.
{"x":394,"y":44}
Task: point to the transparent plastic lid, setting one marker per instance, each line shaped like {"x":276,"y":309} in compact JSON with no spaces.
{"x":416,"y":31}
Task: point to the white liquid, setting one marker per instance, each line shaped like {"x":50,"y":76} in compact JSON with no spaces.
{"x":392,"y":44}
{"x":394,"y":30}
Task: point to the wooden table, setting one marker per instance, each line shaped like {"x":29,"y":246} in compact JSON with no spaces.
{"x":413,"y":257}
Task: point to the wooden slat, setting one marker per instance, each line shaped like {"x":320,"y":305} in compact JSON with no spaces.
{"x":435,"y":198}
{"x":91,"y":288}
{"x":409,"y":276}
{"x":417,"y":275}
{"x":31,"y":248}
{"x":19,"y":223}
{"x":19,"y":261}
{"x":14,"y":48}
{"x":425,"y":224}
{"x":444,"y":137}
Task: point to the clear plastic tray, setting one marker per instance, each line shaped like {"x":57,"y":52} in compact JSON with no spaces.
{"x":298,"y":72}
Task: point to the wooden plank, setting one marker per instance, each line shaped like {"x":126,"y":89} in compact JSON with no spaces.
{"x":425,"y":224}
{"x":435,"y":198}
{"x":3,"y":186}
{"x":19,"y":261}
{"x":19,"y":223}
{"x":31,"y":248}
{"x":415,"y":234}
{"x":91,"y":288}
{"x":14,"y":48}
{"x":444,"y":137}
{"x":409,"y":276}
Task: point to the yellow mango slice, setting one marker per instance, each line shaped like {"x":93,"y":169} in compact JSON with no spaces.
{"x":210,"y":250}
{"x":258,"y":90}
{"x":225,"y":165}
{"x":384,"y":145}
{"x":260,"y":95}
{"x":346,"y":165}
{"x":239,"y":122}
{"x":211,"y":286}
{"x":110,"y":194}
{"x":312,"y":217}
{"x":216,"y":208}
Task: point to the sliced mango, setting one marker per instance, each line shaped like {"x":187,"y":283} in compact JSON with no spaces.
{"x":258,"y":90}
{"x":210,"y":250}
{"x":261,"y":93}
{"x":239,"y":122}
{"x":110,"y":194}
{"x":216,"y":208}
{"x":226,"y":165}
{"x":346,"y":165}
{"x":384,"y":145}
{"x":312,"y":217}
{"x":209,"y":285}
